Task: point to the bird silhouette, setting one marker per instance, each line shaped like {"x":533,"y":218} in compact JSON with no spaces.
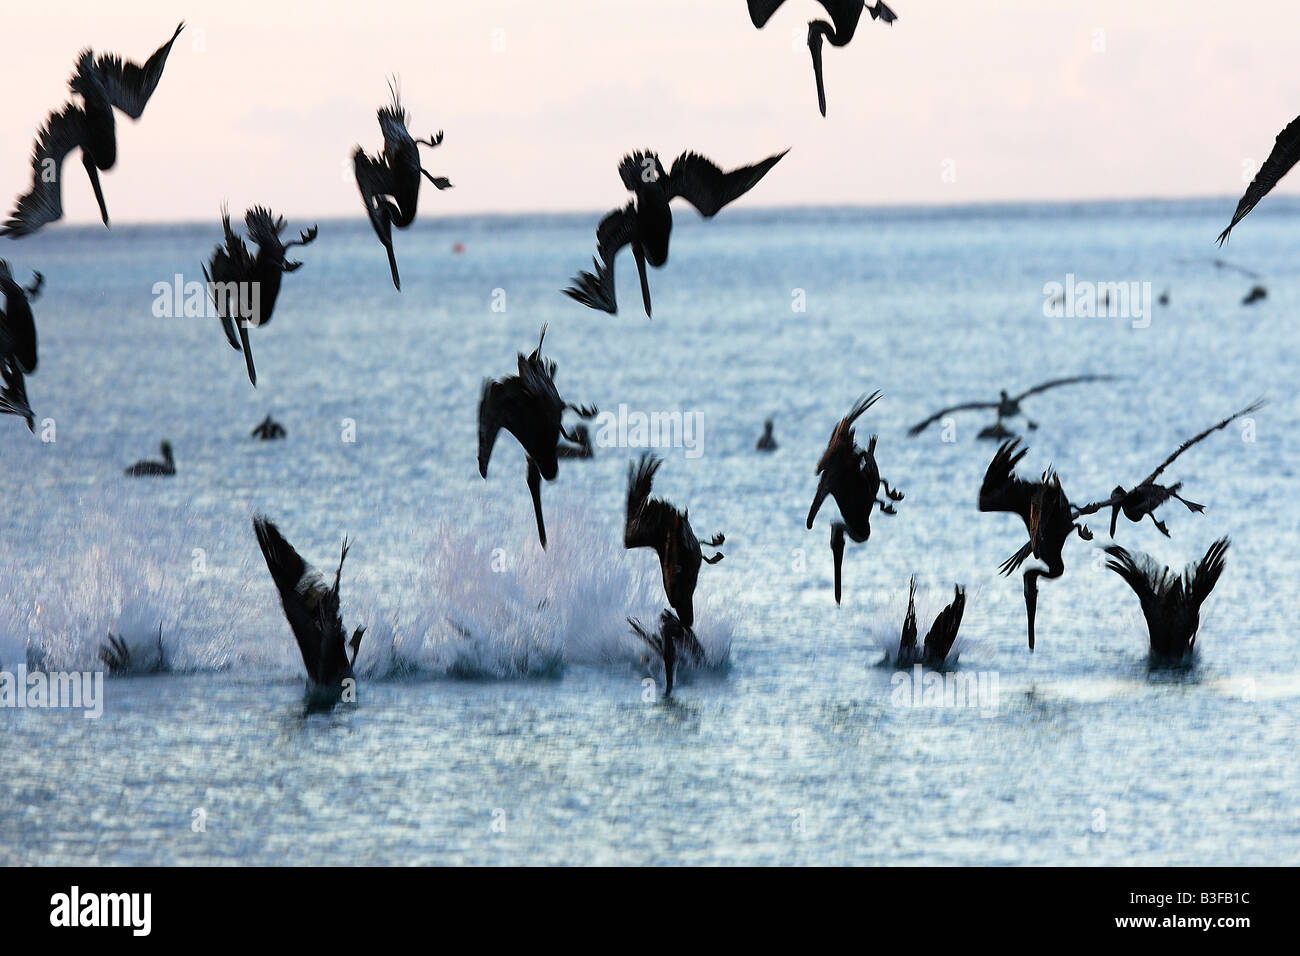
{"x":852,"y":477}
{"x":160,"y":468}
{"x":528,"y":406}
{"x":390,"y":182}
{"x":268,"y":430}
{"x":647,"y":223}
{"x":672,"y":641}
{"x":1285,"y":153}
{"x":939,"y":639}
{"x":1170,"y":604}
{"x":244,"y":286}
{"x":1007,"y":406}
{"x":102,"y":83}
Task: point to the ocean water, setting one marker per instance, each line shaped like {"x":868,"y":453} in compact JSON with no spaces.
{"x":503,"y":715}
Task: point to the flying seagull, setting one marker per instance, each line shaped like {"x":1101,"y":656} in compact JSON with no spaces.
{"x":1170,"y":604}
{"x":103,"y":83}
{"x":1285,"y":153}
{"x":390,"y":182}
{"x":245,"y":286}
{"x":844,"y":15}
{"x":528,"y":406}
{"x":1007,"y":406}
{"x":647,"y":223}
{"x":852,"y":476}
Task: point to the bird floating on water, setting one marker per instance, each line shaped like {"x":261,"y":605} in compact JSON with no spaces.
{"x":647,"y":223}
{"x":103,"y":83}
{"x":268,"y":430}
{"x":852,"y":477}
{"x":390,"y":182}
{"x":672,"y":641}
{"x":1285,"y":153}
{"x":1170,"y":604}
{"x":244,"y":286}
{"x":766,"y":441}
{"x":1007,"y":406}
{"x":844,"y":15}
{"x":938,"y":640}
{"x":161,"y":468}
{"x":312,"y":609}
{"x":528,"y":406}
{"x":654,"y":523}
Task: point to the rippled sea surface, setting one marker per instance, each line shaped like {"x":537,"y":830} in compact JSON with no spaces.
{"x":502,"y":714}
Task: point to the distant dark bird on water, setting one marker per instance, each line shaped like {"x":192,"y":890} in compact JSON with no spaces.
{"x":1046,"y":512}
{"x":1170,"y":604}
{"x":312,"y":609}
{"x":647,"y":223}
{"x":1146,"y":496}
{"x":1256,"y":293}
{"x":17,"y":325}
{"x":766,"y":441}
{"x":654,"y":523}
{"x":1285,"y":153}
{"x":938,"y":640}
{"x":268,"y":430}
{"x":1007,"y":406}
{"x":390,"y":182}
{"x":163,"y":468}
{"x":580,"y":447}
{"x":244,"y":286}
{"x":528,"y":406}
{"x":852,"y":476}
{"x":844,"y":15}
{"x":673,"y":640}
{"x":103,"y":83}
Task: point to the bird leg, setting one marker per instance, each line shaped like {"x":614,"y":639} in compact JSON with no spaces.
{"x":1160,"y":525}
{"x":886,"y":508}
{"x":638,"y":253}
{"x":34,"y":289}
{"x":442,"y":182}
{"x":433,"y":140}
{"x":535,"y":489}
{"x":305,"y":238}
{"x":717,"y":540}
{"x":1084,"y":533}
{"x":1031,"y":425}
{"x":837,"y":551}
{"x":93,"y":173}
{"x":893,"y":493}
{"x":1191,"y":505}
{"x":715,"y":559}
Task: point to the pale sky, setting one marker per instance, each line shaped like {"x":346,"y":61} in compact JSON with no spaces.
{"x":1015,"y":99}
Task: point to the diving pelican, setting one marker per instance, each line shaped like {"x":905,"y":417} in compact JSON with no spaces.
{"x":673,"y":639}
{"x":939,"y":639}
{"x":1170,"y":604}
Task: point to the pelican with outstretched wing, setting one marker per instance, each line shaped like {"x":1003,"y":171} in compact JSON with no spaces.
{"x":1007,"y":406}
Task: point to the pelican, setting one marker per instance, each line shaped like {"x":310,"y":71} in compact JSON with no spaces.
{"x":1170,"y":604}
{"x":1046,"y":511}
{"x":268,"y":430}
{"x":13,"y":396}
{"x":647,"y":223}
{"x":1146,"y":496}
{"x":581,"y":447}
{"x":1256,"y":293}
{"x":313,"y":613}
{"x":766,"y":441}
{"x":115,"y":654}
{"x":844,"y":15}
{"x":852,"y":476}
{"x":654,"y":523}
{"x":1285,"y":153}
{"x":939,"y":639}
{"x":390,"y":182}
{"x":1007,"y":406}
{"x":146,"y":467}
{"x":243,"y":286}
{"x":102,"y":83}
{"x":528,"y":406}
{"x":673,"y":638}
{"x":17,"y":326}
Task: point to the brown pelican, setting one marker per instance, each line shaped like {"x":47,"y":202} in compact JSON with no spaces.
{"x":13,"y":396}
{"x":245,"y":286}
{"x":1285,"y":153}
{"x":1146,"y":496}
{"x":939,"y":639}
{"x":17,"y":326}
{"x":844,"y":15}
{"x":268,"y":430}
{"x":390,"y":182}
{"x":673,"y":639}
{"x":1256,"y":293}
{"x":102,"y":83}
{"x":1170,"y":604}
{"x":654,"y":523}
{"x":1007,"y":406}
{"x":312,"y":609}
{"x":581,"y":447}
{"x":767,"y":441}
{"x":1046,"y":512}
{"x":647,"y":223}
{"x":165,"y":467}
{"x":852,"y":476}
{"x":528,"y":406}
{"x":115,"y":654}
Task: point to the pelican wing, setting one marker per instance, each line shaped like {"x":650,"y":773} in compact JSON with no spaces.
{"x":596,"y":290}
{"x":649,"y":521}
{"x":1285,"y":153}
{"x":1063,"y":381}
{"x":760,"y":11}
{"x":965,"y":406}
{"x":13,"y":397}
{"x":63,"y":132}
{"x":1149,"y":583}
{"x":708,"y":188}
{"x":841,"y":440}
{"x":943,"y":633}
{"x":311,"y":607}
{"x":499,"y":405}
{"x":129,"y":85}
{"x":1200,"y":581}
{"x":1253,"y":407}
{"x":1002,"y":490}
